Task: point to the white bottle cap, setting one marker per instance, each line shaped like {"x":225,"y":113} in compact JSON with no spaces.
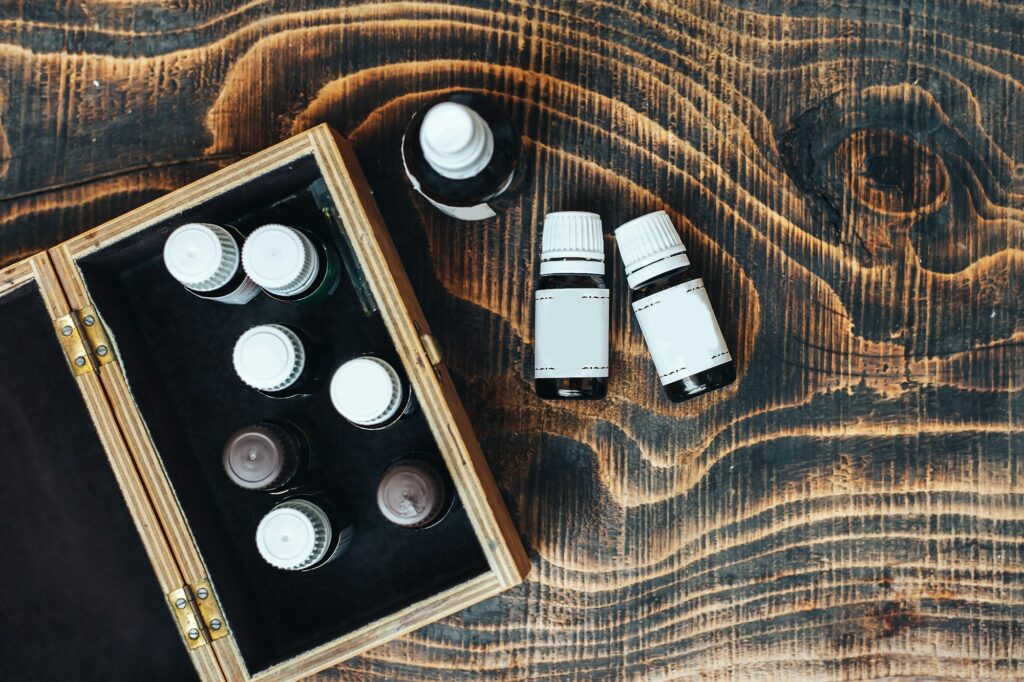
{"x":269,"y":357}
{"x":456,"y":141}
{"x":201,"y":256}
{"x":293,"y":535}
{"x":573,"y":241}
{"x":280,"y":259}
{"x":366,"y":391}
{"x":650,"y":245}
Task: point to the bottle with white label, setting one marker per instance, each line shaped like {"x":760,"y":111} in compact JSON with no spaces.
{"x":673,"y":309}
{"x":291,"y":264}
{"x":205,"y":258}
{"x":279,"y":361}
{"x":304,"y":532}
{"x":463,"y":153}
{"x":570,"y":347}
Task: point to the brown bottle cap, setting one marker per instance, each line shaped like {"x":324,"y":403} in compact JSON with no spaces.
{"x":411,"y":494}
{"x":264,"y":456}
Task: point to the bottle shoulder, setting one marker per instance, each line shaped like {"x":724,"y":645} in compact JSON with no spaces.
{"x":495,"y":180}
{"x":665,"y":281}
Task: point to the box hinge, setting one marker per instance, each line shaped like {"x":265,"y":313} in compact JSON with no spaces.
{"x":84,"y":340}
{"x":95,"y":336}
{"x":192,"y":630}
{"x":209,"y":610}
{"x":72,"y":340}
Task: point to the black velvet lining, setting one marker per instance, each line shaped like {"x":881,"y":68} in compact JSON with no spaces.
{"x":176,"y":352}
{"x":78,"y":598}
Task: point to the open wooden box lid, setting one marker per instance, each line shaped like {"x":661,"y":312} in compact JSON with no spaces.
{"x":143,"y":387}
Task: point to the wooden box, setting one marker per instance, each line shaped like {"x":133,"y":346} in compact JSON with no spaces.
{"x":116,"y":394}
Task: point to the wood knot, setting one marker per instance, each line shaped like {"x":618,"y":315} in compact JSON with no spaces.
{"x":889,"y":173}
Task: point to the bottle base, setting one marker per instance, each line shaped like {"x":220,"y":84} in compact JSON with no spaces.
{"x":702,"y":382}
{"x":579,"y":388}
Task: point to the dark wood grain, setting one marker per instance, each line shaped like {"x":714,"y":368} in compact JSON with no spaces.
{"x":850,"y":177}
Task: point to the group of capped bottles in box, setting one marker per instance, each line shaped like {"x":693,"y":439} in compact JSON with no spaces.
{"x":306,"y":529}
{"x":463,"y":153}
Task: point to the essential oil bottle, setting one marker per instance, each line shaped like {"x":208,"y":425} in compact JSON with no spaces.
{"x":304,"y":532}
{"x":370,"y":393}
{"x":463,"y":153}
{"x":291,"y":264}
{"x":270,"y":456}
{"x":280,"y":361}
{"x":571,"y":316}
{"x":414,"y":494}
{"x":673,"y":309}
{"x":205,"y":258}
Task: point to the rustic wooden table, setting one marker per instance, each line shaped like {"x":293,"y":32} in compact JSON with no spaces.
{"x":850,"y":177}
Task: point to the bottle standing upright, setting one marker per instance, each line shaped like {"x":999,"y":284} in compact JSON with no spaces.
{"x":304,"y":532}
{"x":571,"y":316}
{"x":205,"y":259}
{"x":463,"y":153}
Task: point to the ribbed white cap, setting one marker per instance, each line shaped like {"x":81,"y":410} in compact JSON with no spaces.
{"x":280,"y":259}
{"x":650,"y":245}
{"x":456,"y":141}
{"x":269,"y":357}
{"x":366,"y":390}
{"x":294,"y":535}
{"x":201,"y":256}
{"x":572,"y":234}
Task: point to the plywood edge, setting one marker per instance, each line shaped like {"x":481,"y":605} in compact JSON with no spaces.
{"x":17,"y":274}
{"x":412,"y":617}
{"x":230,"y":658}
{"x":406,"y":323}
{"x":147,"y":524}
{"x":187,"y":197}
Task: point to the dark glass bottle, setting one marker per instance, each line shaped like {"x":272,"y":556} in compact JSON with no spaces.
{"x":280,"y":361}
{"x":270,"y":455}
{"x":291,"y":264}
{"x":415,"y":492}
{"x":464,"y":154}
{"x":206,"y":259}
{"x":304,"y":532}
{"x":571,"y":314}
{"x":371,"y":393}
{"x":673,"y":309}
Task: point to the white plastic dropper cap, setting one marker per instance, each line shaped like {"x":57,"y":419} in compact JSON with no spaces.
{"x":573,"y":241}
{"x":649,"y":246}
{"x":367,"y":391}
{"x":456,"y":141}
{"x":280,"y":259}
{"x":269,"y":357}
{"x":294,"y":535}
{"x":201,"y":256}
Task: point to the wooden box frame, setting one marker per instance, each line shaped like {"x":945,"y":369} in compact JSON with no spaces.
{"x":137,"y":465}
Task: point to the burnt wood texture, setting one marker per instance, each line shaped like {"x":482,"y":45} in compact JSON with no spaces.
{"x":850,"y":179}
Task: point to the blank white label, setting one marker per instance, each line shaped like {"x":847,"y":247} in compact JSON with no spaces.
{"x":478,"y":212}
{"x":245,"y":292}
{"x":571,"y":333}
{"x":681,"y":330}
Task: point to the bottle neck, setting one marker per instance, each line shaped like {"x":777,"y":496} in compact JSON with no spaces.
{"x":650,"y":271}
{"x":572,"y":266}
